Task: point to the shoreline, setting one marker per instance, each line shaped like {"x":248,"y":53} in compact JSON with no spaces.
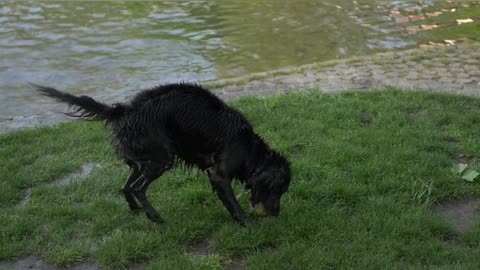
{"x":446,"y":69}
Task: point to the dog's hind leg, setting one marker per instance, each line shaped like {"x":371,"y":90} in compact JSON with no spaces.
{"x":151,"y":170}
{"x":127,"y":190}
{"x":140,"y":186}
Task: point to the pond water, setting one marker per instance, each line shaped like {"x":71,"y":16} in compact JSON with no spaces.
{"x":108,"y":49}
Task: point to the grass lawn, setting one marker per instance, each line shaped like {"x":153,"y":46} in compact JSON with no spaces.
{"x":367,"y":168}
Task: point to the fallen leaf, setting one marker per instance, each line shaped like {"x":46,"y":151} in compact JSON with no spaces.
{"x":402,"y":20}
{"x":416,"y":17}
{"x":465,"y":5}
{"x":429,"y":27}
{"x":425,"y":46}
{"x":462,"y":21}
{"x":470,"y":175}
{"x":413,"y":29}
{"x":449,"y":41}
{"x":432,"y":14}
{"x":395,"y":12}
{"x":445,"y":10}
{"x":435,"y":44}
{"x":459,"y":168}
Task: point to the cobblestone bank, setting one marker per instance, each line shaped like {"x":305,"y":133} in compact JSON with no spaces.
{"x":453,"y":69}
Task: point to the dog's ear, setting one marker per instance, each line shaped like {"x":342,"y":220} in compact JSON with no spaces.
{"x":257,"y":179}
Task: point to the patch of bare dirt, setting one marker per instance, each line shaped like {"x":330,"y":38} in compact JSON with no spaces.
{"x":83,"y":173}
{"x":200,"y":249}
{"x":26,"y":198}
{"x":204,"y":249}
{"x":462,"y":158}
{"x":365,"y":119}
{"x":462,"y":214}
{"x":34,"y":263}
{"x":235,"y":264}
{"x":136,"y":266}
{"x":452,"y":141}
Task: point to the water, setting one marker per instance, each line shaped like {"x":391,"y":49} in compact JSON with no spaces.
{"x":109,"y":49}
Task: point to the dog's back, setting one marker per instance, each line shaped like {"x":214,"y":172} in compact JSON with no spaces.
{"x":192,"y":119}
{"x":184,"y":116}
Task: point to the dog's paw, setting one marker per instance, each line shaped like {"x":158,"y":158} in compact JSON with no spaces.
{"x":154,"y":217}
{"x":240,"y":219}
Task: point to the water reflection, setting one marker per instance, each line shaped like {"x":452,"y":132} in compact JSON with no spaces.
{"x":108,"y":48}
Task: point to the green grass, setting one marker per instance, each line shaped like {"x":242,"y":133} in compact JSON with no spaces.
{"x":366,"y":169}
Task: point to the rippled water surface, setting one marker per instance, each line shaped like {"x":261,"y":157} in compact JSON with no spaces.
{"x":107,"y":49}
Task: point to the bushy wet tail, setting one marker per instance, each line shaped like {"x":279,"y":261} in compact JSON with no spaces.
{"x":84,"y":106}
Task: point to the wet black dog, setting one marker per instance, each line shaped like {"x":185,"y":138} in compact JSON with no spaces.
{"x":187,"y":122}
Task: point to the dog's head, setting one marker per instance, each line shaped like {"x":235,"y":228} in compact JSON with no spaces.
{"x":268,"y":185}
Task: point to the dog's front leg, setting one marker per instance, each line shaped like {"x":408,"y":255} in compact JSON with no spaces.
{"x":223,"y":188}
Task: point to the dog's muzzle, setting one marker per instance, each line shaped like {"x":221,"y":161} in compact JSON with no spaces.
{"x":260,"y":209}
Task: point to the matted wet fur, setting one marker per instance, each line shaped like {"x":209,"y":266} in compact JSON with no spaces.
{"x":186,"y":121}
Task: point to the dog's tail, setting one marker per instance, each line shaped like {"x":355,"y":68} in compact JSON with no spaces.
{"x":85,"y":106}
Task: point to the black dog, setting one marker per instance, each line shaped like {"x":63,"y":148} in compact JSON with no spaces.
{"x":187,"y":122}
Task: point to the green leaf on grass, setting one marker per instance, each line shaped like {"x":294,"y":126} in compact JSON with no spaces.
{"x":459,"y":168}
{"x":470,"y":175}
